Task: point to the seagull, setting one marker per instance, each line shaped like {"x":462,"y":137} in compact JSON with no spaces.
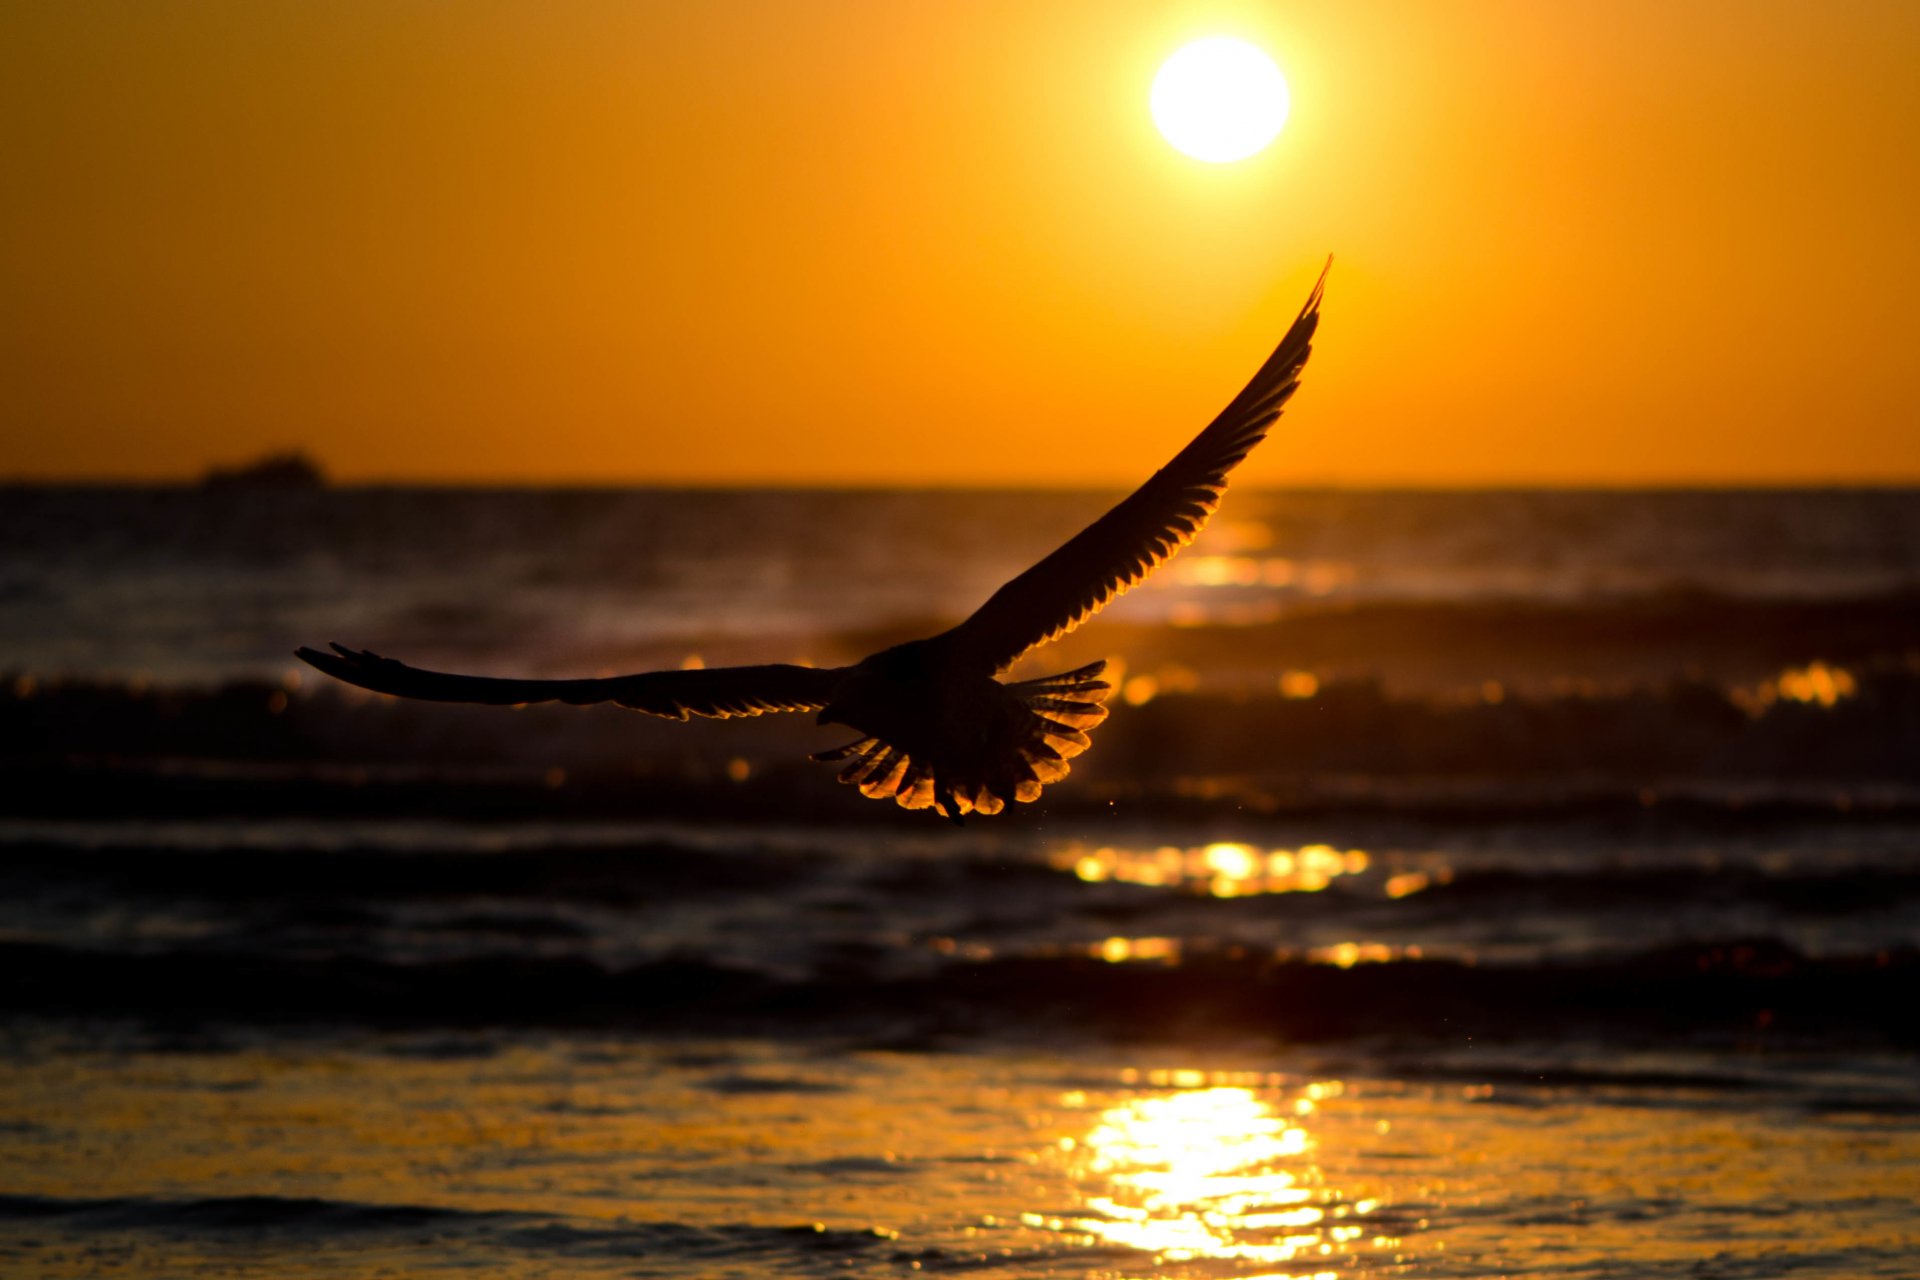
{"x":938,"y":727}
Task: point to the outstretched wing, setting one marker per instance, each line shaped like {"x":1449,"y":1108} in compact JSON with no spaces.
{"x":1129,"y":542}
{"x":717,"y":693}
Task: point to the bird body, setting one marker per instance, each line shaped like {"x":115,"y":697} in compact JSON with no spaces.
{"x":938,"y":731}
{"x":939,"y":727}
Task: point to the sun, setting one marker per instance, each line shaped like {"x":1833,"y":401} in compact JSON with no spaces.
{"x":1219,"y":99}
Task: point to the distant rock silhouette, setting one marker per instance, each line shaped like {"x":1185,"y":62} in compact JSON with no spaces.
{"x":939,"y":729}
{"x":289,"y":470}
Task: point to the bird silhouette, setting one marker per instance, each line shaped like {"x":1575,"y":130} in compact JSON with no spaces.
{"x":937,"y":726}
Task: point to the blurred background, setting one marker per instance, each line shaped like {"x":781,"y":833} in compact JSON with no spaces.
{"x":753,"y":243}
{"x":1501,"y":854}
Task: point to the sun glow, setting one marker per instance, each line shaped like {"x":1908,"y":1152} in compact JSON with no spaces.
{"x":1224,"y":869}
{"x":1219,"y":100}
{"x":1211,"y":1173}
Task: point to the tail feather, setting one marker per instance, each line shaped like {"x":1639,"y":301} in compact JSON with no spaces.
{"x":882,"y":780}
{"x":1080,"y":680}
{"x":837,"y":754}
{"x":1068,"y":741}
{"x":1046,"y":771}
{"x":916,"y":787}
{"x":1065,"y":707}
{"x":1046,"y":725}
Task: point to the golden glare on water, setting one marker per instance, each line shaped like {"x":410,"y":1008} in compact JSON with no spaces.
{"x":1311,"y":577}
{"x":1170,"y":677}
{"x":1219,"y":100}
{"x":1298,"y":686}
{"x":1223,"y":869}
{"x":1123,"y":950}
{"x":1816,"y":684}
{"x":1348,"y":954}
{"x":1207,"y":1173}
{"x":1407,"y":883}
{"x":983,"y":1160}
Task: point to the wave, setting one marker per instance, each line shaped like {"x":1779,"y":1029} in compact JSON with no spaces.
{"x":383,"y":1238}
{"x":288,"y":1220}
{"x":1812,"y":737}
{"x":236,"y":1214}
{"x":619,"y":873}
{"x":522,"y":891}
{"x":1749,"y":989}
{"x":1837,"y":893}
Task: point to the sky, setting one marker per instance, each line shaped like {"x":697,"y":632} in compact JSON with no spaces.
{"x":867,"y":242}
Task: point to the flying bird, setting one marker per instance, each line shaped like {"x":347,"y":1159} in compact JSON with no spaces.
{"x":938,"y":727}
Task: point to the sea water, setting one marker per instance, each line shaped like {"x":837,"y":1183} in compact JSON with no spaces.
{"x":1464,"y":885}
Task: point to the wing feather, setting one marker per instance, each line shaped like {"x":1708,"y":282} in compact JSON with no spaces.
{"x":1144,"y":530}
{"x":717,"y":692}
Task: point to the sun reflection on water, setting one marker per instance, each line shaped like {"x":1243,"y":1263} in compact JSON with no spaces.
{"x":1313,"y":577}
{"x":1816,"y":684}
{"x":1348,"y":954}
{"x":1122,"y":950}
{"x":1206,"y":1173}
{"x":1224,"y":869}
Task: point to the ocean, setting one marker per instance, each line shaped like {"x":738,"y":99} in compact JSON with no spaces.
{"x":1465,"y":884}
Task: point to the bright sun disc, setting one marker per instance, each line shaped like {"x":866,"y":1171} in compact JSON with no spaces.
{"x":1219,"y":99}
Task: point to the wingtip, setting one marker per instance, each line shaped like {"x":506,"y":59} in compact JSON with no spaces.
{"x":1319,"y":288}
{"x":342,"y":659}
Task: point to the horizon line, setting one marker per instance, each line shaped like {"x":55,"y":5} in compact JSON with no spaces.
{"x":1303,"y":484}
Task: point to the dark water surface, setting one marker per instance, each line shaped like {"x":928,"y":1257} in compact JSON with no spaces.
{"x":1464,"y":885}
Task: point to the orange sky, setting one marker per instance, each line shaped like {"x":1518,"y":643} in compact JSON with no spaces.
{"x":775,"y":241}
